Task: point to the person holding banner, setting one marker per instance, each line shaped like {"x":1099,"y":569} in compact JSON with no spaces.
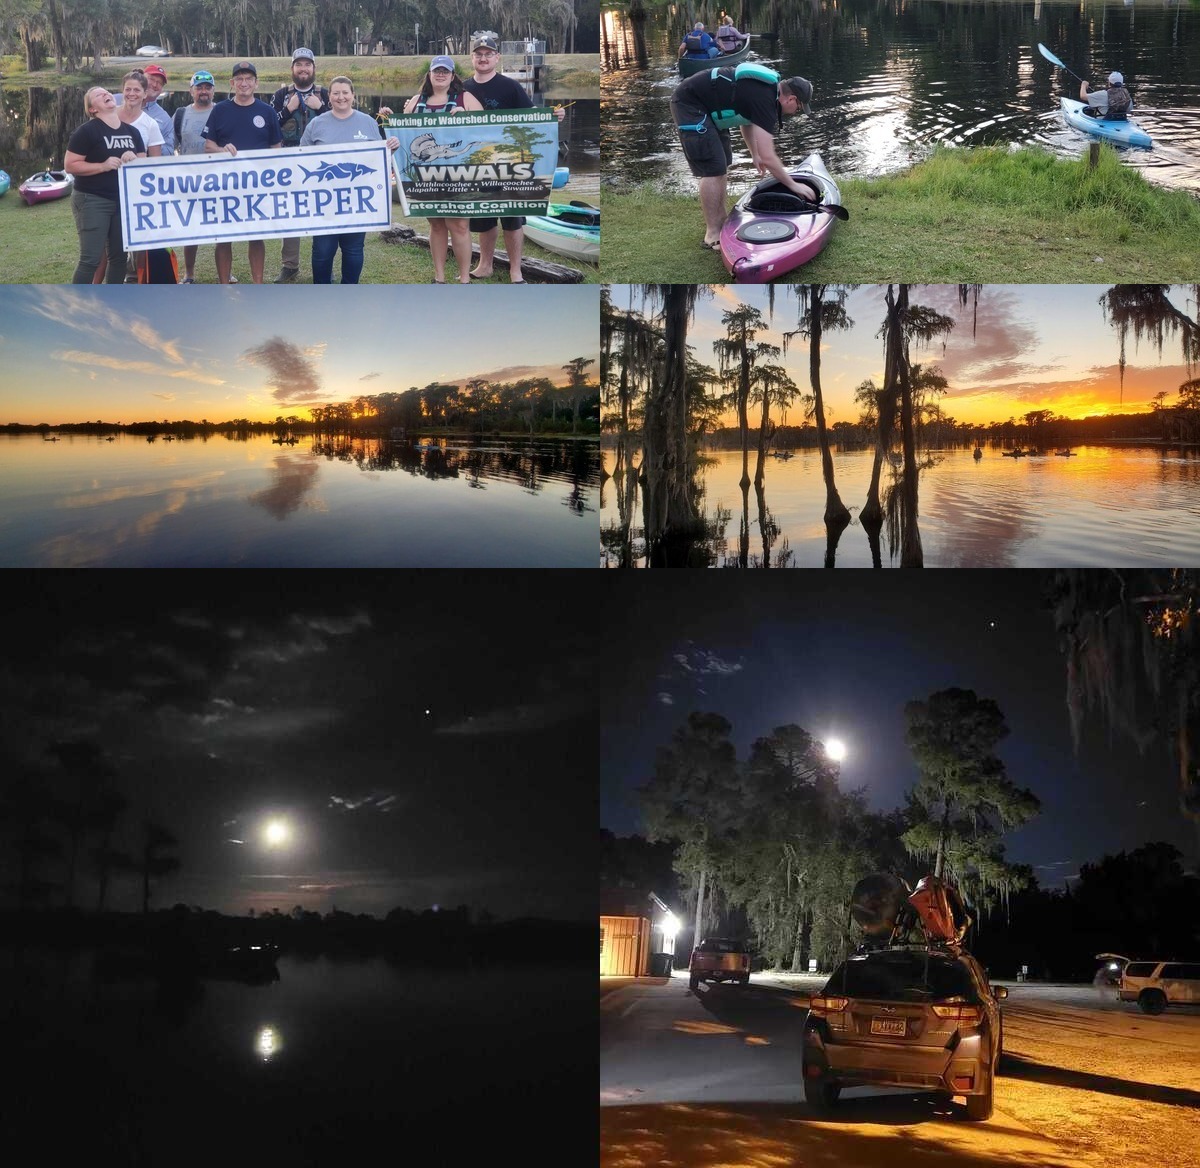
{"x":95,"y":151}
{"x":495,"y":91}
{"x":242,"y":123}
{"x":443,"y":92}
{"x":189,"y":123}
{"x":343,"y":123}
{"x":297,"y":105}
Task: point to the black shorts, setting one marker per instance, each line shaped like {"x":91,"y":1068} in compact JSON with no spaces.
{"x":709,"y":152}
{"x":487,"y":224}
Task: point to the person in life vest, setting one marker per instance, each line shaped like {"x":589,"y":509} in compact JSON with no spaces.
{"x":728,"y":39}
{"x":1113,"y":101}
{"x":749,"y":96}
{"x":697,"y":44}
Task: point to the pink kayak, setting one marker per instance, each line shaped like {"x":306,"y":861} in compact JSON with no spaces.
{"x":43,"y":187}
{"x":771,"y":231}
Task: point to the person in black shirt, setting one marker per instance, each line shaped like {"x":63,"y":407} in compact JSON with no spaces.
{"x":95,"y":152}
{"x":755,"y":105}
{"x":495,"y":91}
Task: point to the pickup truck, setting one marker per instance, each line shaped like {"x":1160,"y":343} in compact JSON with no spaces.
{"x":719,"y":959}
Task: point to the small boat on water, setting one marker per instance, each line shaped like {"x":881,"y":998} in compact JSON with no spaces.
{"x":772,"y":231}
{"x":571,"y":229}
{"x":1123,"y":131}
{"x":1065,"y":454}
{"x":691,"y":65}
{"x":45,"y":186}
{"x":1018,"y":453}
{"x":978,"y":452}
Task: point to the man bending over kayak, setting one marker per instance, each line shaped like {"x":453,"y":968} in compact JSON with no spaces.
{"x":751,"y":97}
{"x":1118,"y":104}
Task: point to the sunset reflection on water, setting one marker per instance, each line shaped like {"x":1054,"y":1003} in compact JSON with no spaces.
{"x":1106,"y":505}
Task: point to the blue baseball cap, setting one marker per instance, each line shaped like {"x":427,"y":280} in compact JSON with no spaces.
{"x":442,"y":63}
{"x":202,"y":77}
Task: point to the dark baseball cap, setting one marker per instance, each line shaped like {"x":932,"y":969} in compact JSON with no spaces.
{"x":802,"y":89}
{"x":244,"y":67}
{"x":303,"y":55}
{"x":485,"y":40}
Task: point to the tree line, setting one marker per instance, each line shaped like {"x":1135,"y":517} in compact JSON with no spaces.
{"x":70,"y":32}
{"x":64,"y":827}
{"x":773,"y":840}
{"x":774,"y":836}
{"x":534,"y":405}
{"x":661,"y":403}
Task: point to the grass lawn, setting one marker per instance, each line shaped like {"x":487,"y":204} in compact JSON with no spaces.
{"x":984,"y":215}
{"x":42,"y":247}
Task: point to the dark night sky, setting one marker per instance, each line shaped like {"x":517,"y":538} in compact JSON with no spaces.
{"x":223,"y":698}
{"x":839,"y":653}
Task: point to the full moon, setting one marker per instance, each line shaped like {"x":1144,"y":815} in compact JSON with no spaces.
{"x":835,"y":748}
{"x":276,"y":833}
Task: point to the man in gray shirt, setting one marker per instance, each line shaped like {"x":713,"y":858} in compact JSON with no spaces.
{"x":187,"y":127}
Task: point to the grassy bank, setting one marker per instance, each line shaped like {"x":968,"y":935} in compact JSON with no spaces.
{"x":979,"y":216}
{"x":567,"y":76}
{"x":42,"y":247}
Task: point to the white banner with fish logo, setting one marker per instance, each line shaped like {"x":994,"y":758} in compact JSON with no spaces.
{"x":255,"y":194}
{"x":491,"y":162}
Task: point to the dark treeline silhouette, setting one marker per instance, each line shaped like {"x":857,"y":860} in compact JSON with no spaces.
{"x":187,"y":939}
{"x":1140,"y":904}
{"x":1170,"y":425}
{"x":528,"y":406}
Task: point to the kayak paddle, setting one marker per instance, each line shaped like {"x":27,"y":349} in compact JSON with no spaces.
{"x":838,"y":212}
{"x":1055,"y":61}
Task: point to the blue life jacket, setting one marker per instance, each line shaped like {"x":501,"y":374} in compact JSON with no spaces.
{"x":747,"y":70}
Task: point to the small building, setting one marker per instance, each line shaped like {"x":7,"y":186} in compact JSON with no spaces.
{"x":637,"y":934}
{"x":523,"y":60}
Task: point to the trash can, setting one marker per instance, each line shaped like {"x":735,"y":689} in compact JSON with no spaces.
{"x":660,"y":965}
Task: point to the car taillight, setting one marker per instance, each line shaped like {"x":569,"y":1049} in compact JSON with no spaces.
{"x":959,"y":1013}
{"x":828,"y":1005}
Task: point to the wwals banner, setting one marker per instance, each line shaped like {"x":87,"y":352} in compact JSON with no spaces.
{"x":257,"y":194}
{"x":494,"y":162}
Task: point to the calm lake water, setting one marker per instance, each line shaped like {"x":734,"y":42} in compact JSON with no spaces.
{"x":1108,"y":505}
{"x":216,"y":502}
{"x":334,"y":1059}
{"x":36,"y":122}
{"x":893,"y":80}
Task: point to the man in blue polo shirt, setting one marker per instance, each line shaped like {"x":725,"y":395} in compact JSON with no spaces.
{"x":242,"y":123}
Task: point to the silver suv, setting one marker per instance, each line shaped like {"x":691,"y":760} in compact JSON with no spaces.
{"x":1156,"y":984}
{"x":905,"y":1017}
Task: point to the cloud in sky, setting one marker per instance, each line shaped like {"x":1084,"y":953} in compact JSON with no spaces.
{"x":290,"y":368}
{"x":125,"y":365}
{"x":68,"y":308}
{"x":370,"y":376}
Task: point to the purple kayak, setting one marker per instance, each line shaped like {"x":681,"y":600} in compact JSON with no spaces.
{"x":771,"y":231}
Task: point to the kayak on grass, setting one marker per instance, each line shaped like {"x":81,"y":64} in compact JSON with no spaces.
{"x":771,"y":231}
{"x":45,"y":186}
{"x":1125,"y":132}
{"x":571,"y":229}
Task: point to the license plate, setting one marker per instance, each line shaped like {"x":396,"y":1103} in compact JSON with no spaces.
{"x":887,"y":1026}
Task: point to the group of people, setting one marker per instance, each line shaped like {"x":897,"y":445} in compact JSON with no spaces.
{"x":301,"y":113}
{"x":699,"y":44}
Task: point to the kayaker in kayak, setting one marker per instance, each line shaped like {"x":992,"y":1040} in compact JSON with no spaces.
{"x":1116,"y":105}
{"x":728,"y":39}
{"x":751,"y":97}
{"x":698,"y":45}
